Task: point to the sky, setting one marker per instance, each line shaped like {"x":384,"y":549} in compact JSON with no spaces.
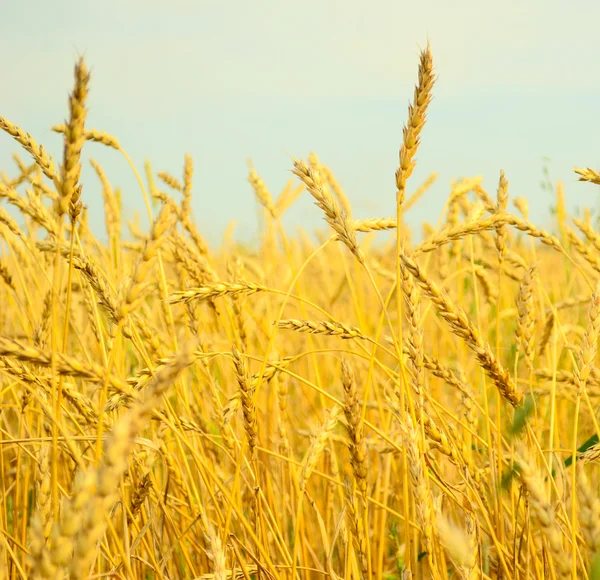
{"x":229,"y":81}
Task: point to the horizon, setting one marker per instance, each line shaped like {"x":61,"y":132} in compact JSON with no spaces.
{"x":198,"y":80}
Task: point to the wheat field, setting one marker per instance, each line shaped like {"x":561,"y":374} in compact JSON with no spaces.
{"x":355,"y":405}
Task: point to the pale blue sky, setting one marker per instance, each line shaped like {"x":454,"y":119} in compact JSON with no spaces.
{"x":228,"y":81}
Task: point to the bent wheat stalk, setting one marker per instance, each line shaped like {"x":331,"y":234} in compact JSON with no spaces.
{"x":462,"y":327}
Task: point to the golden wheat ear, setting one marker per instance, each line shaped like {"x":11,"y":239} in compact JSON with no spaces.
{"x":588,"y":174}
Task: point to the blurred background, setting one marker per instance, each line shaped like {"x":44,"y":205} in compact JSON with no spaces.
{"x":517,"y":90}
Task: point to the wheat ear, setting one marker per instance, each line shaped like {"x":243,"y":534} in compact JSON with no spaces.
{"x":526,"y":317}
{"x":545,"y":516}
{"x":330,"y":328}
{"x":417,"y":113}
{"x":263,"y":195}
{"x":587,"y":174}
{"x":462,"y":327}
{"x":247,"y":400}
{"x":338,"y":219}
{"x":589,"y":515}
{"x":74,"y":139}
{"x":587,"y":352}
{"x":318,"y":444}
{"x":421,"y":491}
{"x":114,"y":463}
{"x":43,"y":159}
{"x":355,"y":429}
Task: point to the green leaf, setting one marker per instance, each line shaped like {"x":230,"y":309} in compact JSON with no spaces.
{"x":508,"y":476}
{"x":591,"y":441}
{"x":522,"y":414}
{"x":595,"y":567}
